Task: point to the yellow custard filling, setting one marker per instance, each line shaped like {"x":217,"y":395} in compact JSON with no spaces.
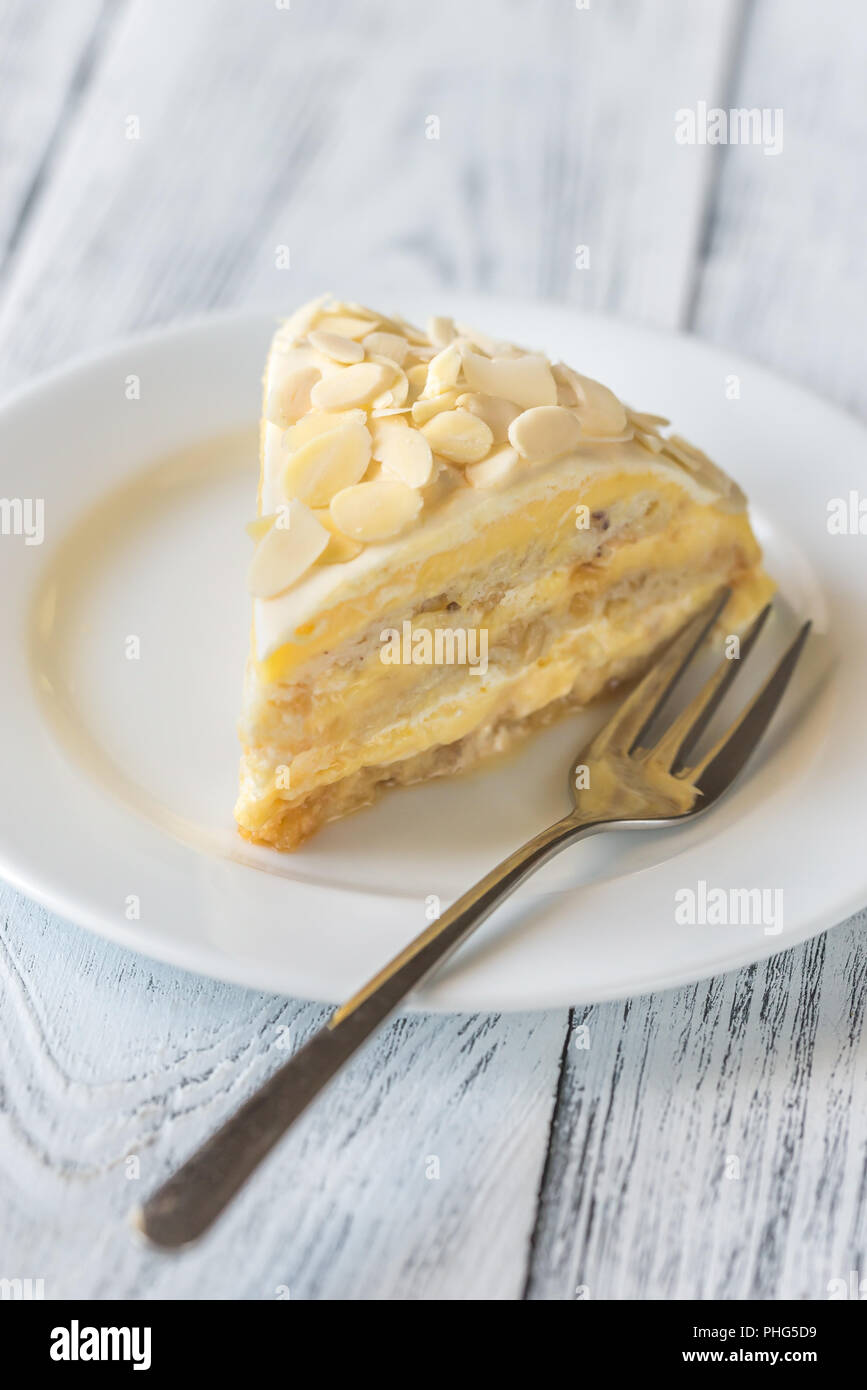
{"x":548,"y":522}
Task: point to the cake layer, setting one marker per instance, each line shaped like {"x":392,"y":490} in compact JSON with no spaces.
{"x":286,"y":796}
{"x":312,"y":701}
{"x":479,"y":526}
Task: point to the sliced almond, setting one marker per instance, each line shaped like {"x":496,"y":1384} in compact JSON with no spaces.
{"x":390,"y":345}
{"x":705,"y":471}
{"x":526,"y":381}
{"x":441,"y":331}
{"x":380,"y":427}
{"x":544,"y":431}
{"x":288,"y":395}
{"x":420,"y":353}
{"x":499,"y":465}
{"x":404,"y":453}
{"x":414,"y":335}
{"x":654,"y":442}
{"x":398,"y":389}
{"x":443,"y":371}
{"x":622,"y":438}
{"x":319,"y":422}
{"x":416,"y":375}
{"x":339,"y":548}
{"x":328,"y":463}
{"x":496,"y":412}
{"x":351,"y":386}
{"x":446,"y":479}
{"x":347,"y":325}
{"x":375,"y":471}
{"x":568,"y":384}
{"x":643,"y":421}
{"x":362,"y":311}
{"x":426,"y":407}
{"x":491,"y":347}
{"x":302,"y":320}
{"x":375,"y":511}
{"x":260,"y":526}
{"x":598,"y":409}
{"x":285,"y":552}
{"x":458,"y":436}
{"x":337,"y":346}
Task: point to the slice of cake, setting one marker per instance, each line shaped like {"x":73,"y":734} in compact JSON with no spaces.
{"x":457,"y":539}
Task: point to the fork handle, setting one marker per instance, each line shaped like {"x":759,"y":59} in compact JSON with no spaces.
{"x":186,"y":1205}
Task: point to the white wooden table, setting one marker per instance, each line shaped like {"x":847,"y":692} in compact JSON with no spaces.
{"x":561,"y":1171}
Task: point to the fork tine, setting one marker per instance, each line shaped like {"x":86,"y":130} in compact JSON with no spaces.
{"x":685,"y":731}
{"x":631,"y":721}
{"x":722,"y":764}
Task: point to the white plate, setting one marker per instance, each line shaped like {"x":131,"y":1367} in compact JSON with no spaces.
{"x":119,"y":774}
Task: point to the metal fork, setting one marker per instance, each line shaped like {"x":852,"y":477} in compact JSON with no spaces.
{"x":616,"y":783}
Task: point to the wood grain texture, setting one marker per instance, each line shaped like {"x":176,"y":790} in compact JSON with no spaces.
{"x":785,"y":275}
{"x":305,"y":127}
{"x":47,"y":53}
{"x":256,"y":130}
{"x":710,"y":1142}
{"x":389,"y":1188}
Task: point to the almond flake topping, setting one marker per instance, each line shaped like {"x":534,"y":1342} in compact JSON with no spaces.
{"x":426,"y":407}
{"x":443,"y":371}
{"x":458,"y":436}
{"x":398,"y":390}
{"x":544,"y":432}
{"x":348,"y":325}
{"x":368,"y":419}
{"x":499,"y":465}
{"x":404,"y":453}
{"x":327,"y":463}
{"x":390,"y":345}
{"x":356,"y":385}
{"x":598,"y":409}
{"x":525,"y":380}
{"x":375,"y":511}
{"x":441,"y":331}
{"x":339,"y":548}
{"x":337,"y":346}
{"x":289,"y":395}
{"x":319,"y":423}
{"x":496,"y":412}
{"x":286,"y":551}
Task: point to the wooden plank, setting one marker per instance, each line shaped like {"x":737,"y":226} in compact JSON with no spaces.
{"x":785,"y":276}
{"x":710,"y":1143}
{"x":306,"y":127}
{"x":413,"y":1178}
{"x":47,"y":52}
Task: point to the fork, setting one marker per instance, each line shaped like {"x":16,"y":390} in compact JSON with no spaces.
{"x":616,"y":783}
